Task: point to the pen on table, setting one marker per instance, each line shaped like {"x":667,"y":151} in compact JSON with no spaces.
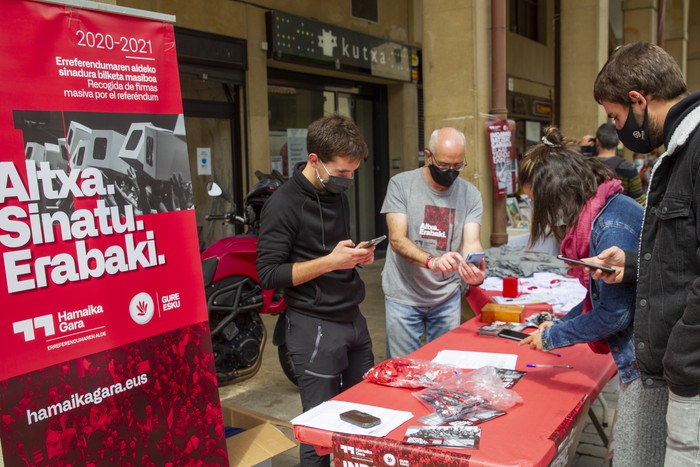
{"x":553,"y":353}
{"x":543,"y":365}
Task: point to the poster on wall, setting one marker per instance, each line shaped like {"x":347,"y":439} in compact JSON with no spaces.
{"x":504,"y":161}
{"x":278,"y":152}
{"x":296,"y":147}
{"x":107,"y":356}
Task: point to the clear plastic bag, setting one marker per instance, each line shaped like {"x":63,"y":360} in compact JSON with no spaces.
{"x":404,"y":372}
{"x":460,"y":397}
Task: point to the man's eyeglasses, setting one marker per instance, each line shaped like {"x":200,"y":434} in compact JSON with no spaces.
{"x":444,"y":167}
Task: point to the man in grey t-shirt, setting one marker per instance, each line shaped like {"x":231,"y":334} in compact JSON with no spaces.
{"x":434,"y":219}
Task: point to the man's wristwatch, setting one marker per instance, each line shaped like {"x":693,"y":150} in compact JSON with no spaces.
{"x":427,"y":261}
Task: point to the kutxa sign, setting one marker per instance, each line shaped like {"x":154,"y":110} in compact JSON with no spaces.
{"x":304,"y":41}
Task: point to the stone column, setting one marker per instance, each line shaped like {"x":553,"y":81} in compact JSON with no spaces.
{"x":403,"y":127}
{"x":256,"y":95}
{"x":693,"y":44}
{"x":457,"y":89}
{"x":640,"y":19}
{"x":676,"y":32}
{"x":640,"y":23}
{"x":583,"y":22}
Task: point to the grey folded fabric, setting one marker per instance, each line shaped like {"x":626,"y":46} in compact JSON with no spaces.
{"x":507,"y":261}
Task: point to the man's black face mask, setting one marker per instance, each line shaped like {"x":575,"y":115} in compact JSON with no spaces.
{"x":634,"y":137}
{"x":443,"y":177}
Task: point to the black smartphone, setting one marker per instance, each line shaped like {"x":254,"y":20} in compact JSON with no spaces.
{"x":512,"y":335}
{"x":475,"y":258}
{"x":361,"y":419}
{"x":582,"y":263}
{"x":374,"y":241}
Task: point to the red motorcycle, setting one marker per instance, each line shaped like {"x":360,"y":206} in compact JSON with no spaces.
{"x":235,"y":299}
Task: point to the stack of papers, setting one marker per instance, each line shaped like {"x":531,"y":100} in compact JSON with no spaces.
{"x":562,"y":293}
{"x":475,"y":360}
{"x":327,"y":417}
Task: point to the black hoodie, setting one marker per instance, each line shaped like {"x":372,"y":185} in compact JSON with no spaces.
{"x":301,"y":223}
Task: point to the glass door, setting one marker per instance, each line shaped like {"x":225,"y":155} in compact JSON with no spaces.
{"x":293,"y":108}
{"x":212,"y":123}
{"x":361,"y":194}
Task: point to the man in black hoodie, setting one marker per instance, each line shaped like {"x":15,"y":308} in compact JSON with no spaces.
{"x":304,"y":247}
{"x":642,"y":89}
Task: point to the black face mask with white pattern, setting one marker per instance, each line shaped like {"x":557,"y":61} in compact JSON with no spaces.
{"x":634,"y":137}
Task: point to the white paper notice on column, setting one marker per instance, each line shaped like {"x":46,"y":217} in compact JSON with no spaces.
{"x":203,"y":161}
{"x":296,"y":147}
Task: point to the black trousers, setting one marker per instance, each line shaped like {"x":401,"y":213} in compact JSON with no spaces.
{"x":328,"y":357}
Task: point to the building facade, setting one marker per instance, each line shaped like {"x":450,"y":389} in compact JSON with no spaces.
{"x":255,"y":74}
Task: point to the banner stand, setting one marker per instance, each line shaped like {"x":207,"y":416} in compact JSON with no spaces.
{"x":105,"y":332}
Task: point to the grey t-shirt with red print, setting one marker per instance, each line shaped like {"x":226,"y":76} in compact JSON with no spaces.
{"x":436,"y":222}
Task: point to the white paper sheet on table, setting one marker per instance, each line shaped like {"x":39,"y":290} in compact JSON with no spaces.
{"x":526,"y":299}
{"x":475,"y":360}
{"x":326,"y":416}
{"x":562,"y":293}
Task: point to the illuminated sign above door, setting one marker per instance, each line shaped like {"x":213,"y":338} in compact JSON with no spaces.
{"x":304,"y":41}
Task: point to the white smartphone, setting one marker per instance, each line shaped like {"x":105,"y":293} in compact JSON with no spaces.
{"x":475,"y":258}
{"x":582,"y":263}
{"x":374,"y":241}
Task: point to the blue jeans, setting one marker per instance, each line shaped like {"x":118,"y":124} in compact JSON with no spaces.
{"x":405,"y":323}
{"x":683,"y":424}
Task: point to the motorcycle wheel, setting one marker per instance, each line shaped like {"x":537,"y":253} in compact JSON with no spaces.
{"x":237,"y":332}
{"x":286,"y":363}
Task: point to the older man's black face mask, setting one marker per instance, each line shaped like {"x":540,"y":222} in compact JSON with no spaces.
{"x":443,"y":177}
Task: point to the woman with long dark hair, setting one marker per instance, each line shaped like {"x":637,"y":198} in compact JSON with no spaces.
{"x":578,"y":201}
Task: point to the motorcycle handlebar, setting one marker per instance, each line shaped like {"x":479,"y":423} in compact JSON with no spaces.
{"x":226,"y":217}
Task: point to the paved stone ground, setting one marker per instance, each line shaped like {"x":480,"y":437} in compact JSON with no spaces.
{"x":271,"y":393}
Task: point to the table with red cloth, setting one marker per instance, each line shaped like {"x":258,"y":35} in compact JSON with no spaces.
{"x":543,"y":430}
{"x":477,"y":297}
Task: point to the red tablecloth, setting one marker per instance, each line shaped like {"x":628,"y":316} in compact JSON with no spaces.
{"x":532,"y":433}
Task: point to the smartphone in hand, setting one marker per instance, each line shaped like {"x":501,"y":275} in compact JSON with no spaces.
{"x":475,"y":258}
{"x":582,"y":263}
{"x":373,"y":242}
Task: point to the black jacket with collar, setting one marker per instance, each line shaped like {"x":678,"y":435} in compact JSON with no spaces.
{"x":667,"y":319}
{"x":301,"y":223}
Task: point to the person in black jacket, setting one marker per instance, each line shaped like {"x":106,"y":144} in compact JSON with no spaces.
{"x":642,"y":89}
{"x":304,"y":247}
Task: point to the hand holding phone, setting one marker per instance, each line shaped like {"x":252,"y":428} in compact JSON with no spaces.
{"x":475,"y":258}
{"x":582,"y":263}
{"x":374,"y":241}
{"x":361,"y":419}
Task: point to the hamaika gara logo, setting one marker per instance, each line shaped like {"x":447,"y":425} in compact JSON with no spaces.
{"x":141,"y":308}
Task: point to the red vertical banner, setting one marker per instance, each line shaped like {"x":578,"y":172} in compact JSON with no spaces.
{"x":106,"y":349}
{"x":504,"y":160}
